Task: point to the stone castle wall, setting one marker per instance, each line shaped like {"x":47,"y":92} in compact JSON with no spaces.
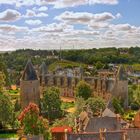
{"x":103,"y":87}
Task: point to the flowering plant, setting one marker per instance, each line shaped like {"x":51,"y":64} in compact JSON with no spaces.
{"x":31,"y":121}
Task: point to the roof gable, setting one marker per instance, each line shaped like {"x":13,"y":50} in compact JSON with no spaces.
{"x":29,"y":72}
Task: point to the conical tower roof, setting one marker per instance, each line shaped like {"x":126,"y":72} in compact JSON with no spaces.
{"x":43,"y":69}
{"x":29,"y":72}
{"x":121,"y":74}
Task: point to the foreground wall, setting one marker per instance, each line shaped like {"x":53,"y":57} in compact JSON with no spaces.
{"x":133,"y":133}
{"x":117,"y":135}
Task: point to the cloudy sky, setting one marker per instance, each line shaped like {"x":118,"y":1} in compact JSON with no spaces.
{"x":71,"y":24}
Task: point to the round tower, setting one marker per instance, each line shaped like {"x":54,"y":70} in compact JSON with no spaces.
{"x":29,"y":86}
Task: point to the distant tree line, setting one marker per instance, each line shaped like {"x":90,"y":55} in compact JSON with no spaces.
{"x":104,"y":55}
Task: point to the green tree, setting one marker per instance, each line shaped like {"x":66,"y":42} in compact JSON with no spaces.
{"x":3,"y":69}
{"x":17,"y":106}
{"x":69,"y":119}
{"x":79,"y":103}
{"x":99,"y":65}
{"x":6,"y":110}
{"x":96,"y":104}
{"x":66,"y":121}
{"x":31,"y":122}
{"x":83,"y":90}
{"x":52,"y":103}
{"x":2,"y":81}
{"x":136,"y":95}
{"x":117,"y":106}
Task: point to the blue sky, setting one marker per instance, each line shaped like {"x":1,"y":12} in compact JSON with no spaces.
{"x":49,"y":24}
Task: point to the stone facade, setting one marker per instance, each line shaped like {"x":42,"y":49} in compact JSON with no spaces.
{"x":29,"y":86}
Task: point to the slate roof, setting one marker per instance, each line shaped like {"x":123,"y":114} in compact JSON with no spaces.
{"x":43,"y":69}
{"x":109,"y":123}
{"x":121,"y":74}
{"x":108,"y":113}
{"x":29,"y":72}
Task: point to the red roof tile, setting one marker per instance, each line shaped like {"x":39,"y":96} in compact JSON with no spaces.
{"x":61,"y":129}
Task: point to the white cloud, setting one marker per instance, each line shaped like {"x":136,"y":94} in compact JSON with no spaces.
{"x":41,"y":14}
{"x":43,"y":8}
{"x":54,"y":27}
{"x":98,"y":25}
{"x":78,"y":17}
{"x":31,"y":13}
{"x":40,"y":9}
{"x":12,"y":28}
{"x":103,"y":17}
{"x":11,"y":2}
{"x":84,"y":17}
{"x":33,"y":22}
{"x":110,"y":2}
{"x":118,"y":15}
{"x":9,"y":15}
{"x":20,"y":3}
{"x":73,"y":3}
{"x":55,"y":36}
{"x":57,"y":3}
{"x":122,"y":27}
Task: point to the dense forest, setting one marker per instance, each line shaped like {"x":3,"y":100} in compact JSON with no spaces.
{"x":104,"y":55}
{"x":16,"y":60}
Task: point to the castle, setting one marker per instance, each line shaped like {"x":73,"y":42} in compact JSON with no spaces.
{"x":107,"y":84}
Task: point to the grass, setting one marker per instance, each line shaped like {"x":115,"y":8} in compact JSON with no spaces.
{"x":129,"y":115}
{"x":9,"y":135}
{"x":65,"y":64}
{"x":13,"y":91}
{"x":67,"y":105}
{"x":136,"y":66}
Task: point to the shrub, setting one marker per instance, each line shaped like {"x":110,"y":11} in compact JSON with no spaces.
{"x":96,"y":104}
{"x":6,"y":110}
{"x":52,"y":103}
{"x":31,"y":121}
{"x":83,"y":90}
{"x":134,"y":106}
{"x":117,"y":106}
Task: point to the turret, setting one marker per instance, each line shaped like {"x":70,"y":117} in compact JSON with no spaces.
{"x":29,"y":86}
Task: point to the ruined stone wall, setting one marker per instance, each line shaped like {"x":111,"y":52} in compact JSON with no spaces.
{"x":121,"y":90}
{"x":101,"y":86}
{"x":66,"y":84}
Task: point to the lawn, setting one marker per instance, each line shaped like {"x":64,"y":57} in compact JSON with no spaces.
{"x":14,"y":91}
{"x":65,"y":64}
{"x":67,"y":105}
{"x":136,"y":67}
{"x":9,"y":135}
